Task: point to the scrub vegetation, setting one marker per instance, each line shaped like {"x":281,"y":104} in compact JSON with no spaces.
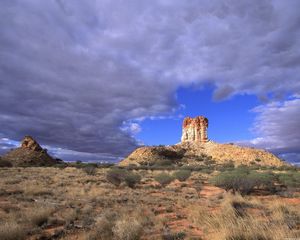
{"x":88,"y":201}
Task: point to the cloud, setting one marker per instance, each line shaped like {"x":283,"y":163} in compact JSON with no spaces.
{"x":71,"y":73}
{"x":277,"y":126}
{"x":132,"y":128}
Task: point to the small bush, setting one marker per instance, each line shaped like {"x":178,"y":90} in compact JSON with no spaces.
{"x":127,"y":230}
{"x":164,"y":178}
{"x":118,"y":226}
{"x":173,"y":236}
{"x":182,"y":175}
{"x":206,"y":170}
{"x":192,"y":167}
{"x":11,"y":231}
{"x":5,"y":163}
{"x":163,"y":162}
{"x":243,"y":180}
{"x":226,"y":166}
{"x":290,"y":180}
{"x":103,"y":228}
{"x":38,"y":216}
{"x":116,"y":176}
{"x":131,"y":179}
{"x":288,"y":168}
{"x":203,"y":157}
{"x":90,"y":170}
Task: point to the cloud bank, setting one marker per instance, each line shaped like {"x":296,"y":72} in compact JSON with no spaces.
{"x":277,"y":126}
{"x":73,"y":72}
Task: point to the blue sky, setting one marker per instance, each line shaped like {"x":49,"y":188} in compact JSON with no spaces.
{"x":230,"y":120}
{"x":86,"y":74}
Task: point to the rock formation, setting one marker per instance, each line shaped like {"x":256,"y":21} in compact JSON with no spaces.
{"x":29,"y":143}
{"x":196,"y":149}
{"x":30,"y":153}
{"x":194,"y":129}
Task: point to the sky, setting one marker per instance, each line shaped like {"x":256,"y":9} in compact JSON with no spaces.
{"x":93,"y":80}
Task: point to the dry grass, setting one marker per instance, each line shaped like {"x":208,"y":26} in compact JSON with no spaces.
{"x":38,"y":216}
{"x":37,"y":190}
{"x":39,"y":203}
{"x":235,"y":221}
{"x":11,"y":231}
{"x":119,"y":226}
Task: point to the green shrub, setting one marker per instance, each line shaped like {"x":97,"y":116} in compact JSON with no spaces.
{"x":243,"y":180}
{"x":226,"y":166}
{"x":173,"y":236}
{"x":182,"y":175}
{"x":263,"y":180}
{"x":192,"y":167}
{"x":164,"y":162}
{"x":290,"y":180}
{"x":242,"y":169}
{"x":206,"y":170}
{"x":131,"y":179}
{"x":90,"y":169}
{"x":60,"y":165}
{"x":5,"y":163}
{"x":164,"y":178}
{"x":116,"y":176}
{"x":203,"y":157}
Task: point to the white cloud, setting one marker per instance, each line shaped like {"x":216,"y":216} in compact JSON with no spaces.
{"x":132,"y":128}
{"x":277,"y":127}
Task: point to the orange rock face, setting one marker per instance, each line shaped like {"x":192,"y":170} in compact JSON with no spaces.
{"x":194,"y":129}
{"x":29,"y":143}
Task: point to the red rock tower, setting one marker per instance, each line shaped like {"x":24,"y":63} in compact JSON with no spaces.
{"x":194,"y":129}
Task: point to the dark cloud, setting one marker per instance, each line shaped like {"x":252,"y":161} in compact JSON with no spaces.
{"x":72,"y":73}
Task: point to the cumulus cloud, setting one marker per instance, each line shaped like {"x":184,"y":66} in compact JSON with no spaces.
{"x":72,"y":72}
{"x":277,"y":126}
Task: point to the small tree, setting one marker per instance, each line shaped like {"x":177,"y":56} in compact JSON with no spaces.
{"x":182,"y":175}
{"x":5,"y":163}
{"x":290,"y":180}
{"x":90,"y":170}
{"x":116,"y":176}
{"x":164,"y":178}
{"x":131,"y":179}
{"x":244,"y":181}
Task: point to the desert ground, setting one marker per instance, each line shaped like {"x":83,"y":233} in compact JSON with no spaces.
{"x":89,"y":202}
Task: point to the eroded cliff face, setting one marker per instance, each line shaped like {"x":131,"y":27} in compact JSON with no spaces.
{"x":194,"y":129}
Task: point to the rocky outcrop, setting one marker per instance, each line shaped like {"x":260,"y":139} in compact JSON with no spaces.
{"x":194,"y":129}
{"x":154,"y":154}
{"x":195,"y":149}
{"x":29,"y":143}
{"x":30,"y":153}
{"x":191,"y":153}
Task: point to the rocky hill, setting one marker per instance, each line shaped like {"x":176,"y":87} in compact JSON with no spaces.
{"x":196,"y":149}
{"x":30,"y":153}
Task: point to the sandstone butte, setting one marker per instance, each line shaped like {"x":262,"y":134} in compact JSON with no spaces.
{"x":195,"y":146}
{"x":30,"y":153}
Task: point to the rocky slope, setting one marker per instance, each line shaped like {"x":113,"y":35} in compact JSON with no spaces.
{"x":198,"y":153}
{"x":30,"y":153}
{"x":196,"y":149}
